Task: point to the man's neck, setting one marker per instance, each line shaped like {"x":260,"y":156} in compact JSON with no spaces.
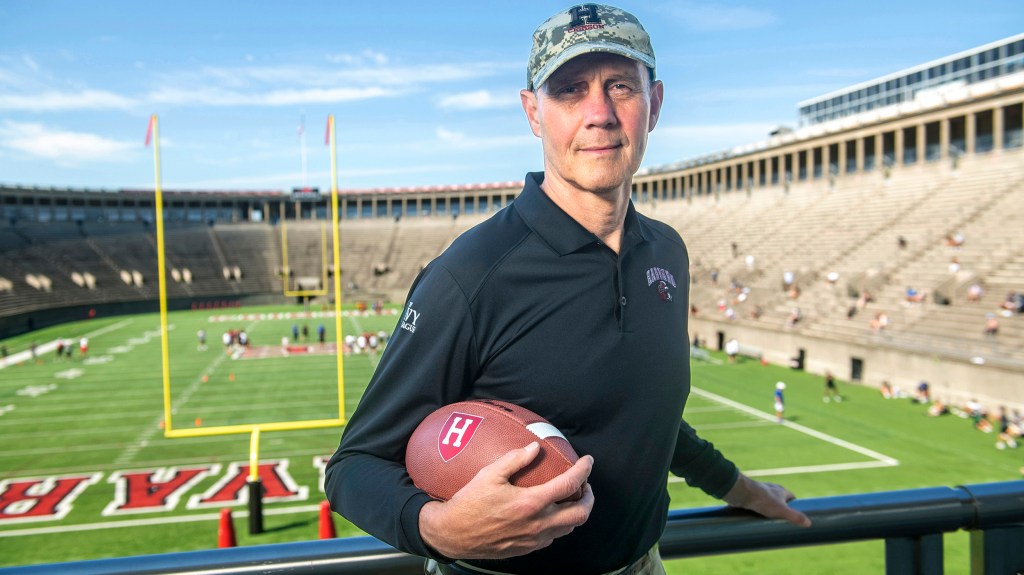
{"x":603,"y":213}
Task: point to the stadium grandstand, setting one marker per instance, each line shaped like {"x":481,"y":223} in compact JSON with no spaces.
{"x":880,"y":239}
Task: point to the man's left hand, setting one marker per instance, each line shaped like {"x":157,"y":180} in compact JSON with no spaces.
{"x":767,"y":499}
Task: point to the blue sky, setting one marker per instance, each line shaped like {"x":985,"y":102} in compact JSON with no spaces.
{"x":424,"y":93}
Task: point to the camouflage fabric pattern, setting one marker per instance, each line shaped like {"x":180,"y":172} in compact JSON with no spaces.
{"x":583,"y":29}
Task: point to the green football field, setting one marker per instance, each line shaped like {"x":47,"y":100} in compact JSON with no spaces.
{"x":94,"y":426}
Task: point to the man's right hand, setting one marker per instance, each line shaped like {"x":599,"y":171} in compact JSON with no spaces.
{"x":490,"y":518}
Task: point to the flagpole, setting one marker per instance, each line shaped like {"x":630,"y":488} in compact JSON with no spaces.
{"x":154,"y":131}
{"x":302,"y":143}
{"x":337,"y":267}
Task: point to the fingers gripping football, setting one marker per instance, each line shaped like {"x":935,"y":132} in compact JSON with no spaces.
{"x":493,"y":519}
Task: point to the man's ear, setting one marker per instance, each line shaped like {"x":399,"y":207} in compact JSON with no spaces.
{"x":657,"y":96}
{"x":530,"y":107}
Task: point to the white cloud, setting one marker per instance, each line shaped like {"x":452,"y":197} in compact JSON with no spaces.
{"x":63,"y":146}
{"x":366,"y":55}
{"x":221,"y":97}
{"x":460,"y":140}
{"x":478,"y":100}
{"x":59,"y":101}
{"x":713,"y":17}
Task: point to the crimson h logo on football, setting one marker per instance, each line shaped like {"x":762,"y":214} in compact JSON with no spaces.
{"x":456,"y":433}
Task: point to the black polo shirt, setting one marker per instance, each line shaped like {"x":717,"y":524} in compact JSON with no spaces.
{"x":529,"y":307}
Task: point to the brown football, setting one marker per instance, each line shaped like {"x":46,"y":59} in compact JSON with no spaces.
{"x":453,"y":443}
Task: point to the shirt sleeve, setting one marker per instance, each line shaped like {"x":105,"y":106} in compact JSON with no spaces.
{"x":698,"y":462}
{"x":429,"y":362}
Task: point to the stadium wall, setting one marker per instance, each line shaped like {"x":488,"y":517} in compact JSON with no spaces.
{"x":953,"y":379}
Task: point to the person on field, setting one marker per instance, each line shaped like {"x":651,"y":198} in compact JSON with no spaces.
{"x":780,"y":402}
{"x":568,"y":303}
{"x":831,"y":392}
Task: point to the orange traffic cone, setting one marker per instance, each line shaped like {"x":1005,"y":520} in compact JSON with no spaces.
{"x":226,"y":532}
{"x":326,"y":521}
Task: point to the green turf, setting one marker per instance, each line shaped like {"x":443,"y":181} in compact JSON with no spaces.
{"x":107,"y":419}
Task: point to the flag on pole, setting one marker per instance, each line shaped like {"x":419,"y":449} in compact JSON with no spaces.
{"x":149,"y":130}
{"x":327,"y":134}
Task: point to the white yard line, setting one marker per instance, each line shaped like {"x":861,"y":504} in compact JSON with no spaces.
{"x":735,"y":425}
{"x":708,"y":409}
{"x":49,"y":346}
{"x":149,"y":431}
{"x":152,"y":521}
{"x":888,"y":461}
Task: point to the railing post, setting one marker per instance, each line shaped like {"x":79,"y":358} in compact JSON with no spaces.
{"x":921,"y":555}
{"x":995,"y":551}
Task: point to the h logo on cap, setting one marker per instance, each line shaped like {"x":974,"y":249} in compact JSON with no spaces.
{"x":583,"y":14}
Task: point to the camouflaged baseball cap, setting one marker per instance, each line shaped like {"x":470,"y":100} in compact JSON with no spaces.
{"x":583,"y":29}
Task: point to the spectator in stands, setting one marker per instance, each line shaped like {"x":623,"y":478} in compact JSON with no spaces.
{"x":794,"y":292}
{"x":592,"y":111}
{"x":901,"y":242}
{"x":914,"y":296}
{"x":787,"y":280}
{"x":757,"y":312}
{"x":735,"y":250}
{"x":794,"y":317}
{"x":974,"y":292}
{"x":864,"y":299}
{"x":879,"y":322}
{"x":714,"y":275}
{"x":831,"y":392}
{"x":955,"y":241}
{"x":1014,"y":303}
{"x":991,"y":325}
{"x":954,"y":265}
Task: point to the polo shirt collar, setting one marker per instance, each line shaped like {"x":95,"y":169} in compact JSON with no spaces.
{"x":564,"y":234}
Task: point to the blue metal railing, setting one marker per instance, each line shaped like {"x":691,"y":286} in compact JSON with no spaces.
{"x":911,"y":522}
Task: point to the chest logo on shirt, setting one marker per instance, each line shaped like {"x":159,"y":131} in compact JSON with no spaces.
{"x":456,"y":433}
{"x":664,"y":280}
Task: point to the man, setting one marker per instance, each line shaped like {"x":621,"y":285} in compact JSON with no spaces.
{"x":780,"y":402}
{"x":570,"y":304}
{"x":831,"y":392}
